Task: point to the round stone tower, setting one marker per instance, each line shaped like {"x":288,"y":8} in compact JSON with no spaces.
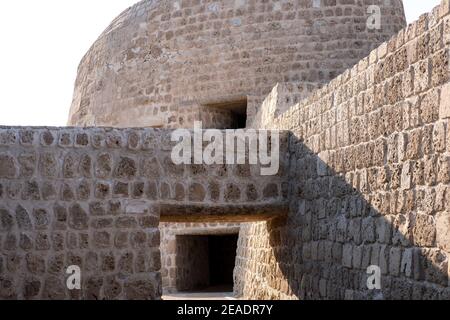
{"x":168,"y":63}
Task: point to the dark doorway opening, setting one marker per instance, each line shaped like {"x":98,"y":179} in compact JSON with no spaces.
{"x":222,"y":259}
{"x":237,"y":111}
{"x":206,"y":263}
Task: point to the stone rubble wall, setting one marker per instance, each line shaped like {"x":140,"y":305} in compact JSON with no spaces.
{"x":220,"y":192}
{"x":369,"y":181}
{"x":76,"y":197}
{"x":94,"y":198}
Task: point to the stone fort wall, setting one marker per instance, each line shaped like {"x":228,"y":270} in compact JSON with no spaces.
{"x":170,"y":63}
{"x":76,"y":197}
{"x":94,"y":198}
{"x":367,"y":184}
{"x":369,"y":181}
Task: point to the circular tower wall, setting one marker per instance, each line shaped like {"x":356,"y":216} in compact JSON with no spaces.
{"x":169,"y":63}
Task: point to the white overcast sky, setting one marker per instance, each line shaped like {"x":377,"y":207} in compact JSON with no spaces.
{"x":42,"y":42}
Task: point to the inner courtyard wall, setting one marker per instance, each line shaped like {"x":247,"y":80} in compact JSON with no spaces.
{"x":369,"y":180}
{"x":93,"y":199}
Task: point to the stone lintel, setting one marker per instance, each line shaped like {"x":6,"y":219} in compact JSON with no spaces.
{"x":240,"y":213}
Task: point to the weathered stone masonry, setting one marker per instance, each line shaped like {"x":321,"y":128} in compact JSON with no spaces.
{"x":369,"y":181}
{"x":170,"y":63}
{"x":94,"y":198}
{"x":365,"y":176}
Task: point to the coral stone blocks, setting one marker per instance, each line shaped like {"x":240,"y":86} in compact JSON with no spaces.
{"x":444,"y":107}
{"x":95,"y":203}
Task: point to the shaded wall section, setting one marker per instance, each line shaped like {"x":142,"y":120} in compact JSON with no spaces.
{"x":369,"y":181}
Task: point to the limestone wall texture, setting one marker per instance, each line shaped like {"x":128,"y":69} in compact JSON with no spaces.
{"x":94,"y":198}
{"x":76,"y":197}
{"x":369,"y":181}
{"x":169,"y":63}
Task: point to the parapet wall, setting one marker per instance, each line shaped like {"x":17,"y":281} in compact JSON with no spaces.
{"x":369,"y":181}
{"x":94,"y":198}
{"x":282,"y":97}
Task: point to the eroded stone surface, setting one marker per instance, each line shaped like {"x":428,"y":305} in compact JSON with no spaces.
{"x":340,"y":181}
{"x":86,"y":205}
{"x":366,"y":174}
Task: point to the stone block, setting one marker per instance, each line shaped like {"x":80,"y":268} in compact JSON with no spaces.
{"x":444,"y":106}
{"x":81,"y":140}
{"x":102,"y":190}
{"x":126,"y":168}
{"x":347,"y":256}
{"x":444,"y":8}
{"x":142,"y":288}
{"x":126,"y":223}
{"x":53,"y":289}
{"x":78,"y":218}
{"x":103,"y":166}
{"x":395,"y":259}
{"x":424,"y":231}
{"x":440,"y":68}
{"x":443,"y":230}
{"x":443,"y":174}
{"x":27,"y":137}
{"x":384,"y":259}
{"x":27,"y":163}
{"x":422,"y":76}
{"x":406,"y":177}
{"x":8,"y":167}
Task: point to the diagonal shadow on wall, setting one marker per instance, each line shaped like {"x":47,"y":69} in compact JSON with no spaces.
{"x":341,"y":224}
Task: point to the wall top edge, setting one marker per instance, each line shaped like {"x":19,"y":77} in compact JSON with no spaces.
{"x":112,"y":129}
{"x":425,"y":23}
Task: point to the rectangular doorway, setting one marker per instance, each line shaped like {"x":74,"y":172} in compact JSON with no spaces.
{"x":225,"y":115}
{"x":206,"y":262}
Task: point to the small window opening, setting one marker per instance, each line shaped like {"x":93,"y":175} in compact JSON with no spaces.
{"x":237,"y":111}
